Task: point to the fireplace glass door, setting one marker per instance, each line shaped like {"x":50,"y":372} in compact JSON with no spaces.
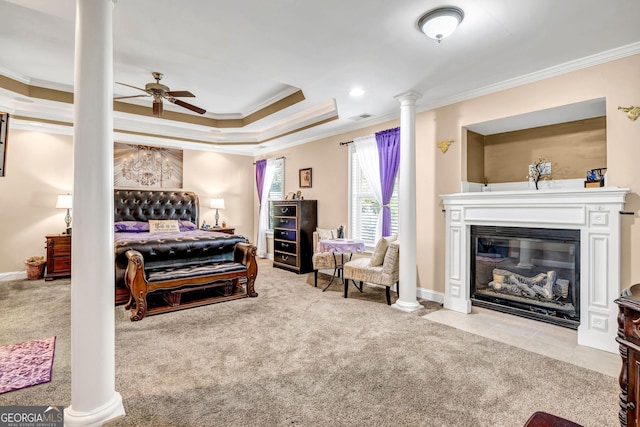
{"x":530,"y":272}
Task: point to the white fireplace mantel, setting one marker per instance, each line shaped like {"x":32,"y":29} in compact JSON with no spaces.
{"x":594,"y":211}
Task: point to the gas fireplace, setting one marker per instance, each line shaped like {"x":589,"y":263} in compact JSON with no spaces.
{"x":559,"y":260}
{"x":529,"y":272}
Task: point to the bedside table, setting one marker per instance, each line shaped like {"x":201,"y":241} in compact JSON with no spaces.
{"x":58,"y":256}
{"x":220,"y":230}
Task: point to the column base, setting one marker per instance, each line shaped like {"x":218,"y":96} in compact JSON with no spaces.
{"x":407,"y":306}
{"x":110,"y":411}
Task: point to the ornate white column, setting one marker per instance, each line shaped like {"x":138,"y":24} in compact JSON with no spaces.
{"x":94,"y":400}
{"x":407,"y":196}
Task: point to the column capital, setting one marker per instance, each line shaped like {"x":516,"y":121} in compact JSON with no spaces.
{"x":409,"y":96}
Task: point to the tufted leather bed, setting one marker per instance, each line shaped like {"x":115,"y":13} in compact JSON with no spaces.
{"x":158,"y":272}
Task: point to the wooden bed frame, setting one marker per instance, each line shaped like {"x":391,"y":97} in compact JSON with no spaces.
{"x":207,"y":281}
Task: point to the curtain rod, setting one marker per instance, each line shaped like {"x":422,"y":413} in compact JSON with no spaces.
{"x":277,"y":158}
{"x":349,"y":142}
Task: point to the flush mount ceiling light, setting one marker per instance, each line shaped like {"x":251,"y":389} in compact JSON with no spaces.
{"x":356,"y":91}
{"x":441,"y":22}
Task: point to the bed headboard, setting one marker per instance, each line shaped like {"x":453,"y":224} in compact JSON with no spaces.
{"x":143,"y":205}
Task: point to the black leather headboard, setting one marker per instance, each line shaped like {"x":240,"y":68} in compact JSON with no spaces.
{"x":143,"y":205}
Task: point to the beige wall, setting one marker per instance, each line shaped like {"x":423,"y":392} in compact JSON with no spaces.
{"x":40,"y":166}
{"x":330,"y":167}
{"x":211,"y":174}
{"x":572,"y":149}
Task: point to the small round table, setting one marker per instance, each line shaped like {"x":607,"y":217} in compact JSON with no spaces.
{"x":342,"y":248}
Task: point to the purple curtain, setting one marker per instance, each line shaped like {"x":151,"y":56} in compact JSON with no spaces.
{"x":261,"y":167}
{"x":389,"y":153}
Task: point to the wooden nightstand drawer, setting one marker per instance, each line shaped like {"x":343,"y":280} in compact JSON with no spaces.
{"x":58,"y":256}
{"x":62,"y":248}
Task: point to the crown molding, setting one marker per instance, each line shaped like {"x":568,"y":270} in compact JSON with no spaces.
{"x":546,"y":73}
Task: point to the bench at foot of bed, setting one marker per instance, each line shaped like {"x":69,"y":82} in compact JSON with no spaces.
{"x":189,"y":286}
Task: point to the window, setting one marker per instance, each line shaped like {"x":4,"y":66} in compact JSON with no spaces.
{"x":364,"y":208}
{"x":276,"y":192}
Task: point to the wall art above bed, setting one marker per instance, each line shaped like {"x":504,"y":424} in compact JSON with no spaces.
{"x":136,"y":166}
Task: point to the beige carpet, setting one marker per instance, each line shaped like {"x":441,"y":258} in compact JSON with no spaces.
{"x":299,"y":356}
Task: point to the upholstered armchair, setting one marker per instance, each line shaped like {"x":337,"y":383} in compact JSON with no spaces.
{"x":381,"y":269}
{"x":321,"y":260}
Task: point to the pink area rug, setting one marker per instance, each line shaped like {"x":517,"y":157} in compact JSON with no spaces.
{"x":25,"y":364}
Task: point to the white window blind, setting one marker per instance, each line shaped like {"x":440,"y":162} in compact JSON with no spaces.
{"x":364,"y":208}
{"x":276,"y":192}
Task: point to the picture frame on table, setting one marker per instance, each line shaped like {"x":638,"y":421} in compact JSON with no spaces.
{"x":305,"y":178}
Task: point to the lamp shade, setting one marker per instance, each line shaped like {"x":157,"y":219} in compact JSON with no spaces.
{"x":65,"y":201}
{"x":440,"y":23}
{"x":217,"y":203}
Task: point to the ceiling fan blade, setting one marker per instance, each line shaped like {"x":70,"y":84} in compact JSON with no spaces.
{"x":157,"y":108}
{"x":180,"y":94}
{"x":135,"y":87}
{"x":132,"y":96}
{"x":187,"y":105}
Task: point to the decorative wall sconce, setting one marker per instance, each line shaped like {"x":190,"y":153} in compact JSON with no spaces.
{"x":444,"y":145}
{"x":632,"y":112}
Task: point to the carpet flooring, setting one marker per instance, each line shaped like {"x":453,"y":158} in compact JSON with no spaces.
{"x":298,"y":356}
{"x":26,"y":364}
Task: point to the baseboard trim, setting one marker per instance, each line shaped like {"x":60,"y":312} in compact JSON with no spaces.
{"x":421,"y":293}
{"x":13,"y":275}
{"x":431,"y":295}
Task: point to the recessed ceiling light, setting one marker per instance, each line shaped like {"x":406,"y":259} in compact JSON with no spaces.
{"x":356,"y":91}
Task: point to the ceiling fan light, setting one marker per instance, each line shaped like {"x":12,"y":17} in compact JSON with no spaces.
{"x":157,"y":108}
{"x":440,"y":23}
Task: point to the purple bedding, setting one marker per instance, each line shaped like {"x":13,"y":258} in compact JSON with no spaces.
{"x":121,"y":238}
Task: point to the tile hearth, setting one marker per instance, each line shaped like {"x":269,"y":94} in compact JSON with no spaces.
{"x":538,"y":337}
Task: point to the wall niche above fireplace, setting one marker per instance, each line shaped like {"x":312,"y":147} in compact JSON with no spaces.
{"x":571,"y":137}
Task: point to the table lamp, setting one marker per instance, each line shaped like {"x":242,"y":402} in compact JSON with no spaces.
{"x":217,"y":203}
{"x":65,"y":202}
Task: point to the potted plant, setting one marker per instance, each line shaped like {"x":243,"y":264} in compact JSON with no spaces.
{"x":35,"y":267}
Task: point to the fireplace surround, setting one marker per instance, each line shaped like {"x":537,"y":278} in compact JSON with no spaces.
{"x":594,"y":213}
